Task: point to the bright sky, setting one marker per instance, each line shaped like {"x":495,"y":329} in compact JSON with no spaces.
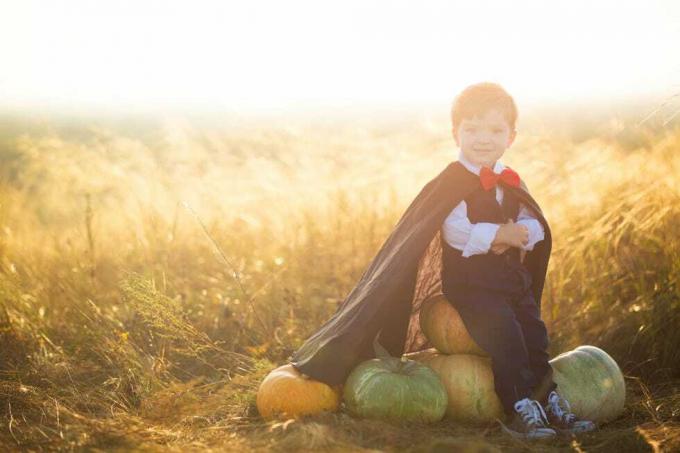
{"x":259,"y":53}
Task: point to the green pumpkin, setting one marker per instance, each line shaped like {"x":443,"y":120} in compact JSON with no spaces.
{"x":391,"y":388}
{"x":591,"y":381}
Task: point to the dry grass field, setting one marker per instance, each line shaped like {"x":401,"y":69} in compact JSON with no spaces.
{"x":153,"y":270}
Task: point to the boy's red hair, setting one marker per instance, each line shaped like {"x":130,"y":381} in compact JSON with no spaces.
{"x":479,"y":98}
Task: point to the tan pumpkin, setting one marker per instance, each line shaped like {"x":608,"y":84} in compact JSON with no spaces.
{"x":285,"y":392}
{"x":469,"y":383}
{"x":443,"y":326}
{"x":591,"y":381}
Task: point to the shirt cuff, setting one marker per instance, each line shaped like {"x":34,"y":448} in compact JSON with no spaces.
{"x":536,"y":232}
{"x":481,"y":237}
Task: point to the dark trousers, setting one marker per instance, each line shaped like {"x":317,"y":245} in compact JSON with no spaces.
{"x":507,"y":325}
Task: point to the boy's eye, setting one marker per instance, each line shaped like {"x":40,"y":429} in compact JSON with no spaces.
{"x":470,"y":129}
{"x":498,"y":131}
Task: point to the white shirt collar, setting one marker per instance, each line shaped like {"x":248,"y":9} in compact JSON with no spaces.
{"x":497,"y":168}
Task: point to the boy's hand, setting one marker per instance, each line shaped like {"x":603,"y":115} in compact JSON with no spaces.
{"x":499,"y":248}
{"x":511,"y":234}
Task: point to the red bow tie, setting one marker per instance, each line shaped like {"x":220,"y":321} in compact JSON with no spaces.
{"x":489,"y":179}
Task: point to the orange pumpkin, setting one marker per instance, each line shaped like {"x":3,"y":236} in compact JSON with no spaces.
{"x":469,"y":383}
{"x":285,"y":392}
{"x":443,"y":326}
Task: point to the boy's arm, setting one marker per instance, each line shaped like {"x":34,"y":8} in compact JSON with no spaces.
{"x":479,"y":238}
{"x":470,"y":238}
{"x":536,"y":231}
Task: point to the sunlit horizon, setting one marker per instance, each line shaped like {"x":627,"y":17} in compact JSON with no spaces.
{"x":299,"y":55}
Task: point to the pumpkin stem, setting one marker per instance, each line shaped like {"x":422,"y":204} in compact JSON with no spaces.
{"x":380,"y":351}
{"x":383,"y":354}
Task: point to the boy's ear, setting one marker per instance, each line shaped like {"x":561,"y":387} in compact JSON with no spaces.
{"x":512,"y":136}
{"x":454,"y":132}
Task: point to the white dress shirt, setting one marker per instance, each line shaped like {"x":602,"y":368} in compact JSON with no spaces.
{"x":476,"y":238}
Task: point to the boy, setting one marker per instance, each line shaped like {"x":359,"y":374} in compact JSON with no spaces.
{"x":441,"y":244}
{"x":484,"y":242}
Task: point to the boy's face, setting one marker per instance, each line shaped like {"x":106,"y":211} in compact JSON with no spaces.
{"x":484,"y":139}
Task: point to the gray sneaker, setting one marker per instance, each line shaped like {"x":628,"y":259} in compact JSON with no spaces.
{"x":560,"y":417}
{"x":530,"y":422}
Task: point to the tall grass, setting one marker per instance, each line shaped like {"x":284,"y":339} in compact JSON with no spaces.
{"x":148,"y":281}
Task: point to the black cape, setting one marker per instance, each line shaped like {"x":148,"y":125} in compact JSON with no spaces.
{"x":405,"y":272}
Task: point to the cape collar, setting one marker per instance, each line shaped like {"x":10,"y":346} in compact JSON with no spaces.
{"x":497,"y":168}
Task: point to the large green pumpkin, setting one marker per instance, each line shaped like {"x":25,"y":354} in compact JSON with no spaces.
{"x":390,"y":388}
{"x":591,"y":381}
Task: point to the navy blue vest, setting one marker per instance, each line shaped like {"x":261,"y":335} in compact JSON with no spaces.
{"x":502,"y":272}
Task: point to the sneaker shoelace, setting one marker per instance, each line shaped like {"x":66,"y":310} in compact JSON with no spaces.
{"x":533,"y":414}
{"x":555,"y":408}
